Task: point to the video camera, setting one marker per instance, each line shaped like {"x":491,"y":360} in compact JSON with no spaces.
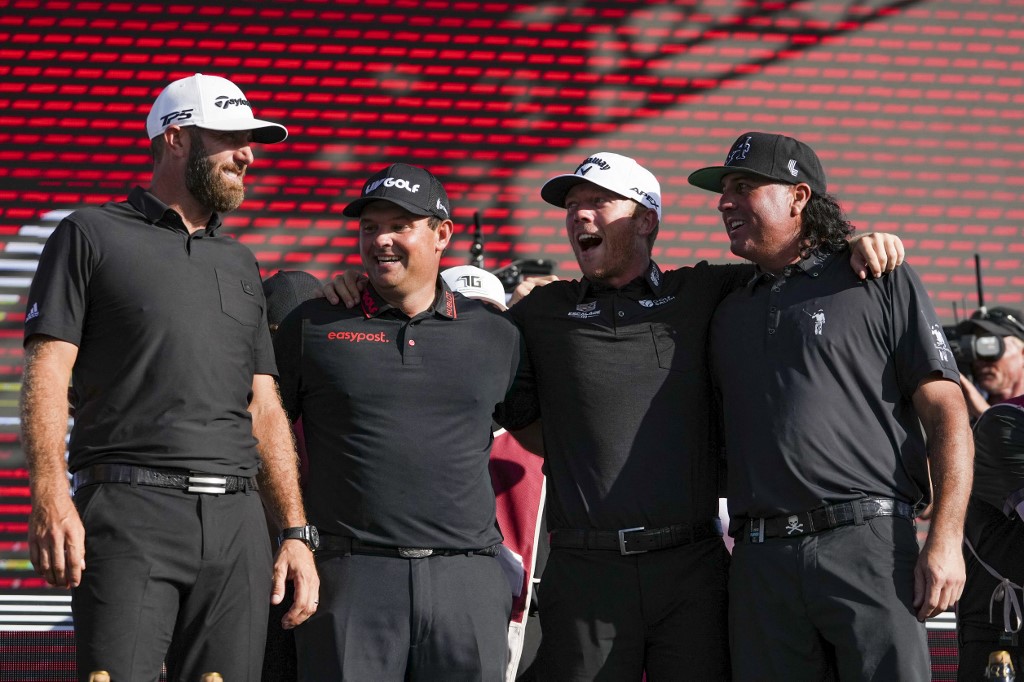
{"x":981,"y":336}
{"x":514,"y":273}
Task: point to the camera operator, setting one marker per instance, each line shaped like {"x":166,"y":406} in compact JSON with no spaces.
{"x":995,"y":354}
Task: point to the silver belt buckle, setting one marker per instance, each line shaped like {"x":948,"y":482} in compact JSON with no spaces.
{"x":213,"y":485}
{"x":622,"y":542}
{"x":414,"y":553}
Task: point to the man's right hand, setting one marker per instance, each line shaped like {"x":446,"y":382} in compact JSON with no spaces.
{"x":56,"y":540}
{"x":345,"y":288}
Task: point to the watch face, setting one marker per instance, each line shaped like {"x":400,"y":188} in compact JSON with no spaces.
{"x":314,"y":537}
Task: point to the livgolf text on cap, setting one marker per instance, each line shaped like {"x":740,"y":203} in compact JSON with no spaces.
{"x":413,"y":188}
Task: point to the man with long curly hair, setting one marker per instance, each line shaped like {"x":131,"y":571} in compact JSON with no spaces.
{"x":825,"y":381}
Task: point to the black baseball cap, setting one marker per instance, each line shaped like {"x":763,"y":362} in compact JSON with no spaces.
{"x":286,"y":290}
{"x":1000,"y":321}
{"x":413,"y":188}
{"x":776,"y":157}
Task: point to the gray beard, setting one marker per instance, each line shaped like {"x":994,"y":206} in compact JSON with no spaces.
{"x":205,"y":184}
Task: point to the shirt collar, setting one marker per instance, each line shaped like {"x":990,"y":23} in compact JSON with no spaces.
{"x":158,"y":213}
{"x":373,"y":305}
{"x":651,"y":281}
{"x":811,"y":266}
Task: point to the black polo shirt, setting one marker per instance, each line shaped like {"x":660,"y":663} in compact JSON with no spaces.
{"x":817,"y":370}
{"x":624,"y":395}
{"x":170,"y":329}
{"x":396,"y":413}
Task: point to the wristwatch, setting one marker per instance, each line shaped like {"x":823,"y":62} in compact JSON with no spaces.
{"x":307,"y":534}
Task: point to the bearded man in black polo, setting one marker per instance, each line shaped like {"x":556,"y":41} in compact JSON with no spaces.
{"x":160,"y":320}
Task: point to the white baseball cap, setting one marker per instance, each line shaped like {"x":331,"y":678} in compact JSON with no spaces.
{"x":472,"y":282}
{"x":209,"y":102}
{"x":615,"y":172}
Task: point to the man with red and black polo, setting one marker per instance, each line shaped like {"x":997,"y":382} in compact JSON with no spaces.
{"x":396,"y":397}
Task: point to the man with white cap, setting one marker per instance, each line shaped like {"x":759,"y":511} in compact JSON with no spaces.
{"x":160,"y":321}
{"x":396,"y":397}
{"x":636,"y":578}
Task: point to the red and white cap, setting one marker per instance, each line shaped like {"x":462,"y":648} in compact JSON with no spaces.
{"x":209,"y":102}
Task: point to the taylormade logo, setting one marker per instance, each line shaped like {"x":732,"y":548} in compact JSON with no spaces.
{"x":400,"y":183}
{"x":224,"y":102}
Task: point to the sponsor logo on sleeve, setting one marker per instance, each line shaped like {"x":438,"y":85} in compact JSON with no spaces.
{"x":941,"y":344}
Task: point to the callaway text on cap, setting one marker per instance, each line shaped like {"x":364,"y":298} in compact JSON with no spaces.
{"x":614,"y":172}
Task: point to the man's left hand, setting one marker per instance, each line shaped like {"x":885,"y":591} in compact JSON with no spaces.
{"x":875,"y":253}
{"x":938,"y":579}
{"x":295,"y":562}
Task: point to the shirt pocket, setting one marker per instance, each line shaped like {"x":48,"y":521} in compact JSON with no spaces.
{"x":238,"y":298}
{"x":677,"y":350}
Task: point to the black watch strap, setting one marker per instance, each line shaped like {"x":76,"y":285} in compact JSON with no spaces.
{"x":307,"y":534}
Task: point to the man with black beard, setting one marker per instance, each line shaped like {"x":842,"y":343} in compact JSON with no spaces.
{"x":160,"y":322}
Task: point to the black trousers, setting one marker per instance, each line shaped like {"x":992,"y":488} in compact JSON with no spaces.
{"x":611,"y":617}
{"x":387,"y":618}
{"x":171,"y":576}
{"x":999,"y":540}
{"x":843,"y":597}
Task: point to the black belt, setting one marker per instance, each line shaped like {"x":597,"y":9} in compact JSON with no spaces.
{"x":189,"y":481}
{"x":636,"y":540}
{"x":347,"y":545}
{"x":823,"y":518}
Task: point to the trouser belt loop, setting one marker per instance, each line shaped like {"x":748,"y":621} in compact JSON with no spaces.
{"x":136,"y":476}
{"x":858,"y":512}
{"x":756,"y":534}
